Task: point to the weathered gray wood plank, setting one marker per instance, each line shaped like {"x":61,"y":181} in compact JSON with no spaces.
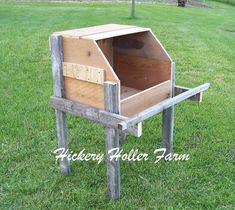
{"x":112,"y":104}
{"x":58,"y":88}
{"x":168,"y":120}
{"x":94,"y":114}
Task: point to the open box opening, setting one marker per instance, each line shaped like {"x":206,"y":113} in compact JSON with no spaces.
{"x":143,"y":67}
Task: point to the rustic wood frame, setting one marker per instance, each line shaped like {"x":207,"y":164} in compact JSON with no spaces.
{"x":110,"y":117}
{"x":58,"y":89}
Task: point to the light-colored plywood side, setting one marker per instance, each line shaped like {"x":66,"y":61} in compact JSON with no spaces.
{"x":158,"y":43}
{"x":106,"y":45}
{"x":87,"y":52}
{"x":84,"y":92}
{"x":145,"y":99}
{"x":92,"y":30}
{"x":139,"y":72}
{"x":115,"y":33}
{"x":143,"y":44}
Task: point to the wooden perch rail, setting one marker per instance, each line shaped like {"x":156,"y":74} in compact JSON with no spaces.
{"x":130,"y":125}
{"x":161,"y":106}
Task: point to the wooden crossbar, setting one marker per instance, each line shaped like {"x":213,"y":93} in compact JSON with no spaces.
{"x":94,"y":114}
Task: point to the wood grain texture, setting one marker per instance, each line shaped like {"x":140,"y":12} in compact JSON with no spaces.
{"x":106,"y":46}
{"x":143,"y":44}
{"x":115,"y":33}
{"x":78,"y":33}
{"x":158,"y":44}
{"x":86,"y":52}
{"x":94,"y":114}
{"x":83,"y":72}
{"x":168,"y":129}
{"x":58,"y":87}
{"x":127,"y":92}
{"x":84,"y":92}
{"x":139,"y":72}
{"x":139,"y":102}
{"x":112,"y":104}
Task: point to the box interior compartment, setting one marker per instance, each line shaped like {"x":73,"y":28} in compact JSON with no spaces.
{"x":142,"y":67}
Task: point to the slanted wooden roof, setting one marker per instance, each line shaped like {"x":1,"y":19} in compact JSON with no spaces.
{"x":102,"y":31}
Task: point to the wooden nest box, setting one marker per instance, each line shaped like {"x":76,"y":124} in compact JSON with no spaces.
{"x":128,"y":55}
{"x":118,"y":76}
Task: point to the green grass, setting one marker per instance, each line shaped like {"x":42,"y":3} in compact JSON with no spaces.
{"x":200,"y":40}
{"x":230,"y":2}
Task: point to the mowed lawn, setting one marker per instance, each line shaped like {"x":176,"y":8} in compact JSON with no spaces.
{"x":202,"y":43}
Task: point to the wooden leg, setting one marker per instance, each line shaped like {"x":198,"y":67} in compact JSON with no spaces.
{"x":168,"y":120}
{"x":58,"y":89}
{"x":122,"y":137}
{"x":112,"y":104}
{"x":168,"y":129}
{"x":113,"y":167}
{"x":62,"y":136}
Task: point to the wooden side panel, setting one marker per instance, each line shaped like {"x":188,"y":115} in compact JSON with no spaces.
{"x":106,"y":45}
{"x":84,"y":92}
{"x":143,"y":44}
{"x":86,"y":52}
{"x":145,"y":99}
{"x":139,"y":72}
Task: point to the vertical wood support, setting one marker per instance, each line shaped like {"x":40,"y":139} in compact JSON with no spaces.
{"x":112,"y":104}
{"x":168,"y":120}
{"x":58,"y":88}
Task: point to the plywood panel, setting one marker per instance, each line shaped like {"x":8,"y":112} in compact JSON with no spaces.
{"x":83,"y":72}
{"x":141,"y":44}
{"x":106,"y":45}
{"x":127,"y":91}
{"x":139,"y":72}
{"x":115,"y":33}
{"x":93,"y":30}
{"x":145,"y":99}
{"x":84,"y":92}
{"x":86,"y":52}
